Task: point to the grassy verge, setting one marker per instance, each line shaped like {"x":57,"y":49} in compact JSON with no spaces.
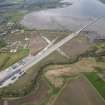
{"x":97,"y":82}
{"x":7,"y":59}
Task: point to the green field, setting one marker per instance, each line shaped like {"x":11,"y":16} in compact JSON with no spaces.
{"x":2,"y":44}
{"x":7,"y":59}
{"x":16,"y":16}
{"x":97,"y":82}
{"x":27,"y":83}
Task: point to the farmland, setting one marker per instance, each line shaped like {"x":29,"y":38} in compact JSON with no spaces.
{"x":55,"y":73}
{"x":77,"y":46}
{"x":79,"y":92}
{"x":55,"y":70}
{"x":7,"y":59}
{"x":2,"y":44}
{"x":97,"y":82}
{"x":27,"y":83}
{"x":46,"y":73}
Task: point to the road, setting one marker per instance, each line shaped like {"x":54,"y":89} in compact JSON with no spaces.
{"x":56,"y":46}
{"x":59,"y":50}
{"x":12,"y":74}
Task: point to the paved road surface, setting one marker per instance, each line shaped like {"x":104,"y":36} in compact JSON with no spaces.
{"x":28,"y":62}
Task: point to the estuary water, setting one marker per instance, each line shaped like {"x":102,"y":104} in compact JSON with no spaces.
{"x":69,"y":17}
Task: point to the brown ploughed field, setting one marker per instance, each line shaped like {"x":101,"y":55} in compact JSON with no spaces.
{"x":76,"y":46}
{"x":79,"y":92}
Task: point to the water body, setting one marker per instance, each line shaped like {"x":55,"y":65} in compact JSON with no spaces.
{"x":70,"y":17}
